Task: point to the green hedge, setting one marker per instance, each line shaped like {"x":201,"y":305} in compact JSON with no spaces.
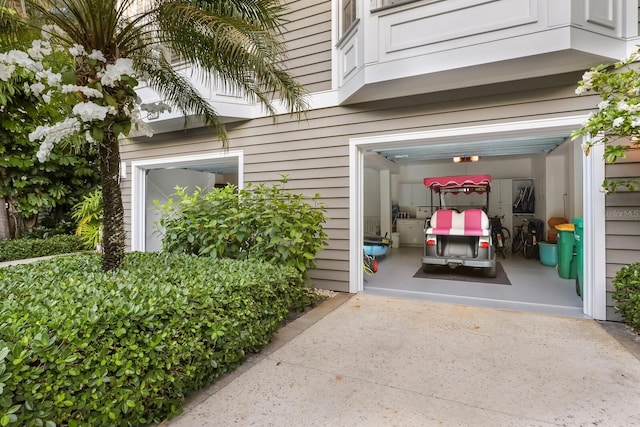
{"x":82,"y":347}
{"x":11,"y":250}
{"x":627,"y":294}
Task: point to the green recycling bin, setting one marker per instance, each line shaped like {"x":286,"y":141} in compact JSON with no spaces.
{"x":579,"y":236}
{"x":567,"y":268}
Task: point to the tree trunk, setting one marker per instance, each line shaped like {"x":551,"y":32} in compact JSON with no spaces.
{"x":112,"y":210}
{"x":5,"y":233}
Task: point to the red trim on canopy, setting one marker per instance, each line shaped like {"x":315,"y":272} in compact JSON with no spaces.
{"x":477,"y":183}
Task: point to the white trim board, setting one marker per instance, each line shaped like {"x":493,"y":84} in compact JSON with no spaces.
{"x":138,"y":184}
{"x":595,"y":295}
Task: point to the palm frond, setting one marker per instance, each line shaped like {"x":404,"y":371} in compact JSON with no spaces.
{"x":238,"y":48}
{"x":233,"y":43}
{"x":177,"y":90}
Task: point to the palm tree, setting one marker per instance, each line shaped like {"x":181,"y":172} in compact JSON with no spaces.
{"x":237,"y":41}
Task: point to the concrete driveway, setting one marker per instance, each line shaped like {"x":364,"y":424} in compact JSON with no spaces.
{"x":376,"y":361}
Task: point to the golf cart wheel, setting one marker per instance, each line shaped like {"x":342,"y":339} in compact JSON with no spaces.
{"x":578,"y":287}
{"x":491,"y":271}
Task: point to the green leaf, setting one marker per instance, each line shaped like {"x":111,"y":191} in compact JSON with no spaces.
{"x":97,"y":133}
{"x":68,"y":77}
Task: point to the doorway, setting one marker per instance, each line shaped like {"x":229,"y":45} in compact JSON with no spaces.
{"x":529,"y":135}
{"x":156,"y":179}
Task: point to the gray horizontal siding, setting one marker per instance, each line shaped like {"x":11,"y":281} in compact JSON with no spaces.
{"x":307,"y":34}
{"x":314,"y":153}
{"x":622,"y":225}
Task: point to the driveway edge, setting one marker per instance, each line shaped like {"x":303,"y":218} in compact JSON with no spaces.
{"x":624,"y":335}
{"x":285,"y":334}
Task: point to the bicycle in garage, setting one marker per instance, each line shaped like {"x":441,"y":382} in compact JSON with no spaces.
{"x":525,"y":237}
{"x":500,"y":235}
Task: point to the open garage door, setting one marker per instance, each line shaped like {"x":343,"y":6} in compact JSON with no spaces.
{"x":540,"y":157}
{"x":156,"y":180}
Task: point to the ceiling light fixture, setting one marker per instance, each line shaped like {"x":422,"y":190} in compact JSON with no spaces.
{"x":465,"y":159}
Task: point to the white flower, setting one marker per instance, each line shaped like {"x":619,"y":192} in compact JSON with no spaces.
{"x":585,"y":146}
{"x":51,"y":135}
{"x":617,"y":122}
{"x":97,"y":55}
{"x":6,"y":71}
{"x":77,"y":50}
{"x":37,"y":88}
{"x":20,"y":59}
{"x":89,"y":111}
{"x":580,"y":90}
{"x":633,"y":108}
{"x":114,"y":72}
{"x":587,"y":79}
{"x":603,"y":104}
{"x":39,"y":49}
{"x":622,"y":106}
{"x":635,"y":122}
{"x":46,"y":97}
{"x":603,"y":190}
{"x":53,"y":79}
{"x":86,"y":91}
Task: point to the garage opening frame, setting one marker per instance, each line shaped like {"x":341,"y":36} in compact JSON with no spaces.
{"x":593,"y":200}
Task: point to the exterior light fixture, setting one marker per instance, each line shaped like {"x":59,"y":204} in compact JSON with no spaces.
{"x":466,"y":159}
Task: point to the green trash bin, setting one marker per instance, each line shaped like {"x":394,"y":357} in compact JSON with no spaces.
{"x":579,"y":236}
{"x":567,"y":268}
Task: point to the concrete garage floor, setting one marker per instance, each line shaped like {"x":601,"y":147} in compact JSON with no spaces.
{"x":380,"y":361}
{"x":534,"y":287}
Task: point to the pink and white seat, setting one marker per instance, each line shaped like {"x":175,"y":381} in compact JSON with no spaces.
{"x":471,"y":222}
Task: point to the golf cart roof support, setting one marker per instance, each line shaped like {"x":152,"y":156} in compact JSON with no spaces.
{"x":459,"y":183}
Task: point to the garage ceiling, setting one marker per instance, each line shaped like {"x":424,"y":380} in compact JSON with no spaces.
{"x":215,"y":167}
{"x":482,"y":148}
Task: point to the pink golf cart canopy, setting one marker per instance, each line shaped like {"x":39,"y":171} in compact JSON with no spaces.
{"x":459,"y":183}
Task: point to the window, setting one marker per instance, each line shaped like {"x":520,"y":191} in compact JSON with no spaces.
{"x":348,"y":14}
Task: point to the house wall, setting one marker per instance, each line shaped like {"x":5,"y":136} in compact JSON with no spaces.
{"x":622,"y":225}
{"x":315,"y":152}
{"x":308,"y":38}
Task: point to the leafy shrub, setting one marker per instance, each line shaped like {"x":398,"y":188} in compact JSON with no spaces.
{"x":88,"y":214}
{"x":48,"y":229}
{"x":79,"y":346}
{"x":266,"y":223}
{"x":627,"y":294}
{"x":33,"y":248}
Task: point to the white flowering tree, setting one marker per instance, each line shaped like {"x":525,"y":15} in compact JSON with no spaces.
{"x":28,"y":187}
{"x":616,"y":123}
{"x":237,"y":40}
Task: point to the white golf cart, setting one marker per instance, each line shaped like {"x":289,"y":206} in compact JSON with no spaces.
{"x":459,"y":234}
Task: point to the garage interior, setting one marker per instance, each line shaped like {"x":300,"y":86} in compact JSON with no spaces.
{"x":393,"y":182}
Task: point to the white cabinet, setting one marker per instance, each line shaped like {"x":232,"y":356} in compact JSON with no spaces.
{"x":412,"y":195}
{"x":500,"y":192}
{"x":411,"y":232}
